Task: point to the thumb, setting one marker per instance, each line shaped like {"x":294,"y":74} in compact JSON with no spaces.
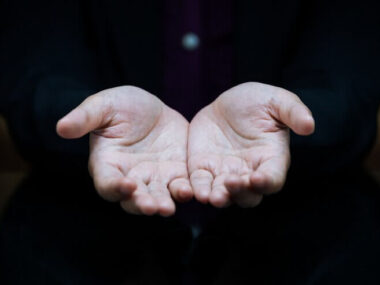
{"x":88,"y":116}
{"x":294,"y":114}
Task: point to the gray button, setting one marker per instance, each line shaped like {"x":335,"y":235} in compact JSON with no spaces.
{"x":190,"y":41}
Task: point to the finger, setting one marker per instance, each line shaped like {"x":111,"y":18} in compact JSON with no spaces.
{"x":160,"y":193}
{"x":180,"y":189}
{"x":201,"y":181}
{"x":241,"y":191}
{"x":294,"y":114}
{"x":248,"y":199}
{"x":141,"y":202}
{"x":219,"y":196}
{"x":111,"y":183}
{"x":270,"y":176}
{"x":235,"y":183}
{"x":90,"y":115}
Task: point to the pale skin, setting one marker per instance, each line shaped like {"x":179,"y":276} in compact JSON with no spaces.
{"x":137,"y":149}
{"x":238,"y":146}
{"x":146,"y":156}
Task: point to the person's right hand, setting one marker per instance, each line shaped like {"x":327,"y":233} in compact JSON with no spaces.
{"x":137,"y":149}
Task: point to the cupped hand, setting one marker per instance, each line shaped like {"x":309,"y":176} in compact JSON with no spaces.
{"x":137,"y":149}
{"x":238,"y":146}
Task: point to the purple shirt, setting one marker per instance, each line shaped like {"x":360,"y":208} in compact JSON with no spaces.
{"x":193,"y":78}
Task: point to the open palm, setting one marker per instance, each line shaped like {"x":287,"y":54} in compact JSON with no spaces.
{"x":137,"y":149}
{"x":238,"y":146}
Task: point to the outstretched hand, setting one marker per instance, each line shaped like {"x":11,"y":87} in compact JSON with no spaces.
{"x":138,"y":149}
{"x":238,"y":146}
{"x":236,"y":149}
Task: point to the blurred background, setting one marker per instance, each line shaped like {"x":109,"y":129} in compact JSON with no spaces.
{"x":13,"y":168}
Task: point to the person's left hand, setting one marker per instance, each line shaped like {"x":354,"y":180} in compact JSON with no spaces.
{"x":238,"y":146}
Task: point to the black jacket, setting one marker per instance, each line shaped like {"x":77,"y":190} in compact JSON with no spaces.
{"x":53,"y":54}
{"x":322,"y":229}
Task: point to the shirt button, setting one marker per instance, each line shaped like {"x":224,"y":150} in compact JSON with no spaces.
{"x":190,"y":41}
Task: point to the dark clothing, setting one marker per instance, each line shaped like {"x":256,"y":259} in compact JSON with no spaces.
{"x":194,"y":78}
{"x":328,"y":234}
{"x":323,"y":228}
{"x":56,"y":53}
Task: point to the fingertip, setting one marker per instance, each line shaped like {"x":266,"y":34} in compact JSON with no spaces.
{"x":250,"y":201}
{"x":219,"y":200}
{"x":69,"y":129}
{"x":265,"y":184}
{"x":257,"y":179}
{"x":181,"y":190}
{"x":232,"y":181}
{"x":308,"y":125}
{"x":185,"y":194}
{"x":201,"y":181}
{"x":109,"y":191}
{"x":144,"y":204}
{"x":127,"y":187}
{"x":233,"y":190}
{"x":304,"y":124}
{"x":63,"y":128}
{"x":202,"y":196}
{"x":166,"y":208}
{"x":148,"y":209}
{"x":295,"y":114}
{"x":129,"y":183}
{"x":233,"y":185}
{"x":74,"y":125}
